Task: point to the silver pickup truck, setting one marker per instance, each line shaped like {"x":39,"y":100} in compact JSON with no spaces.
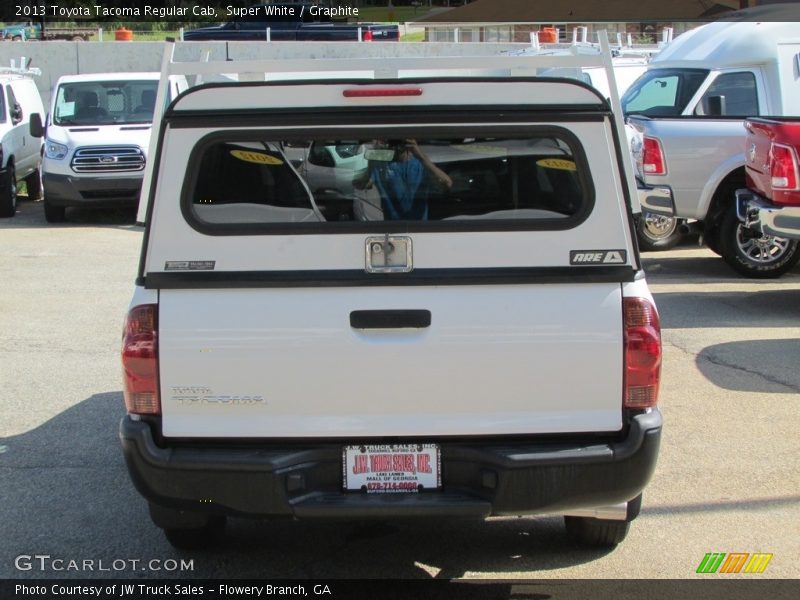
{"x":688,"y":111}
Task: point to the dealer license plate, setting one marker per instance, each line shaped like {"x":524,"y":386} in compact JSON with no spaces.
{"x":392,"y":468}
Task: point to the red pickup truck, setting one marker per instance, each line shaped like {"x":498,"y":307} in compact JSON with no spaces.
{"x":771,"y":204}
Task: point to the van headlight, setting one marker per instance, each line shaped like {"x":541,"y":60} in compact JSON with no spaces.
{"x":54,"y":150}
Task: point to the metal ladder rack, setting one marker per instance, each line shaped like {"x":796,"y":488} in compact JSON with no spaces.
{"x":575,"y":56}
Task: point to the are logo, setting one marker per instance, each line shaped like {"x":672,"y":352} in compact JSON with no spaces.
{"x":598,"y":257}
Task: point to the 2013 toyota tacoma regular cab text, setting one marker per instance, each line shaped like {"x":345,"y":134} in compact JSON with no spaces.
{"x":292,"y":22}
{"x":391,"y":298}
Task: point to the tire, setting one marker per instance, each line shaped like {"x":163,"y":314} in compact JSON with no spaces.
{"x":54,"y":214}
{"x":194,"y":538}
{"x":8,"y":195}
{"x":752,"y":254}
{"x":711,"y":240}
{"x":34,"y":184}
{"x":656,"y":232}
{"x":597,"y":533}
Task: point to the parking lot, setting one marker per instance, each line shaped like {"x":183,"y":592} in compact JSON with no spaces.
{"x":728,"y":478}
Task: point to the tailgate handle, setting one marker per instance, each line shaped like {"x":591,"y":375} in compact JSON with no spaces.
{"x":390,"y":319}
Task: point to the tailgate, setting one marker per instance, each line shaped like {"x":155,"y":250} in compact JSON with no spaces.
{"x":494,"y":359}
{"x":388,"y":266}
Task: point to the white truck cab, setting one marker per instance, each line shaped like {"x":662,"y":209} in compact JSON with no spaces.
{"x":98,"y":133}
{"x":20,"y":151}
{"x":463,"y":329}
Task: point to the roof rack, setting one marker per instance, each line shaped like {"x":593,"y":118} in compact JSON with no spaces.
{"x":521,"y":64}
{"x":23,"y":69}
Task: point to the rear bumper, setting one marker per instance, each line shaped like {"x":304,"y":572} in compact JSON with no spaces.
{"x":66,"y":190}
{"x":763,"y":216}
{"x":656,"y":199}
{"x":479,"y":479}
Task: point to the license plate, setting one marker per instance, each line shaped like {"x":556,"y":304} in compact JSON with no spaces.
{"x":395,"y":468}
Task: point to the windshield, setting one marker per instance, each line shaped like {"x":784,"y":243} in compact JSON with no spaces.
{"x":662,"y":92}
{"x":105,"y":102}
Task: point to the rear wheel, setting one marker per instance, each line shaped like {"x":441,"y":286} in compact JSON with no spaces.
{"x":600,"y":533}
{"x":210,"y":534}
{"x":52,"y":213}
{"x":34,"y":184}
{"x":657,"y":232}
{"x":187,"y":529}
{"x":753,"y":254}
{"x":8,"y":195}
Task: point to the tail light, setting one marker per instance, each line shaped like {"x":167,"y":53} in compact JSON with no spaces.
{"x":642,"y":339}
{"x":653,"y":157}
{"x":140,"y":360}
{"x":367,"y":36}
{"x":783,"y":167}
{"x":370,"y":92}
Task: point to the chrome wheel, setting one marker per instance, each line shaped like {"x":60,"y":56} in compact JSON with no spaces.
{"x":658,"y":226}
{"x":761,"y":248}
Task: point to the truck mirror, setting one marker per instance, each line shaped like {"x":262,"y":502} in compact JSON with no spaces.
{"x":36,"y":127}
{"x":716,"y":106}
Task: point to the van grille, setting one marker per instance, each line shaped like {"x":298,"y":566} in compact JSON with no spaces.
{"x":105,"y":159}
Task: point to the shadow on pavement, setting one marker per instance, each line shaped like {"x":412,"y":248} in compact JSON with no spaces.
{"x":768,"y":308}
{"x":669,"y":268}
{"x":762,"y":365}
{"x":30,"y":215}
{"x":65,"y":492}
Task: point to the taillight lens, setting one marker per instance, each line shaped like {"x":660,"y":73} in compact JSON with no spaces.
{"x":642,"y":340}
{"x":653,"y":157}
{"x":140,"y":360}
{"x":783,"y":167}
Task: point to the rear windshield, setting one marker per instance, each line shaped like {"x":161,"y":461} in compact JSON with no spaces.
{"x":662,"y":92}
{"x":105,"y":102}
{"x":360,"y":179}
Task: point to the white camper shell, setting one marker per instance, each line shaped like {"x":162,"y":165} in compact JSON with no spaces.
{"x":477,"y":338}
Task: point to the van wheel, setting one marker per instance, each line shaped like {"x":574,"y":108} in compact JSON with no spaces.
{"x":598,"y":533}
{"x":657,"y":232}
{"x":8,"y":195}
{"x":752,"y":254}
{"x":209,"y":535}
{"x":52,"y":213}
{"x":34,"y":184}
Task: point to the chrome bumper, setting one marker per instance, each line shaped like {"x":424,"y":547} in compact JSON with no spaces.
{"x":761,"y":215}
{"x":656,"y":200}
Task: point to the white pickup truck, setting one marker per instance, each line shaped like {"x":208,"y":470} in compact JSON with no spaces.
{"x":689,"y":110}
{"x":460,"y":327}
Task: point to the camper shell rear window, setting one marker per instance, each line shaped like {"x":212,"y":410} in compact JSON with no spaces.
{"x":266,"y":182}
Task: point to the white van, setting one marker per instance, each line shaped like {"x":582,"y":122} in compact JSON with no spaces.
{"x":98,"y":132}
{"x":20,"y":152}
